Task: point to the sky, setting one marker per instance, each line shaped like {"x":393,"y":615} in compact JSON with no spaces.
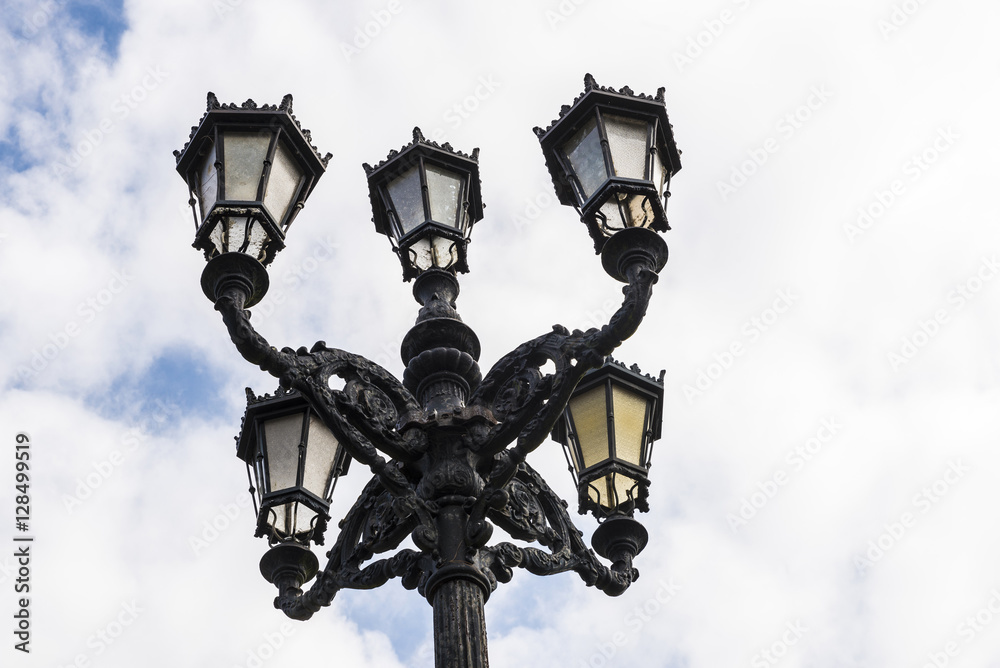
{"x":825,"y":491}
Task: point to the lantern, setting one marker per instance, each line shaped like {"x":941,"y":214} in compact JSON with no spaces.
{"x":249,"y":170}
{"x":426,"y":198}
{"x":611,"y":156}
{"x":295,"y":462}
{"x":608,"y":430}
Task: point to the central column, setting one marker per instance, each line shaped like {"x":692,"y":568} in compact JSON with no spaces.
{"x":440,"y":353}
{"x":457,"y":590}
{"x":459,"y":625}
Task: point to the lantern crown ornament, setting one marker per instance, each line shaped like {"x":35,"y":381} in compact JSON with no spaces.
{"x":426,"y":197}
{"x":611,"y":155}
{"x":249,"y":169}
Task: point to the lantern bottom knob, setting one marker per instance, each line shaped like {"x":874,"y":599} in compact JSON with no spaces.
{"x":620,"y":538}
{"x":288,"y":562}
{"x":237,"y":270}
{"x":635,"y":246}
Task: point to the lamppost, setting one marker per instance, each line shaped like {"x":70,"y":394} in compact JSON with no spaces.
{"x":446,"y":446}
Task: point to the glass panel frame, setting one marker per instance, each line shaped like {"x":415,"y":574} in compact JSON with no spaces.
{"x":589,"y":412}
{"x":282,"y":450}
{"x":583,"y":152}
{"x":406,"y":201}
{"x":445,"y":190}
{"x":628,"y":141}
{"x":244,"y":154}
{"x":322,"y":454}
{"x":284,"y":182}
{"x":631,"y":420}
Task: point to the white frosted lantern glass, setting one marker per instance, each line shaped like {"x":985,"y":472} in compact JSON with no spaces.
{"x":627,"y":139}
{"x":208,"y":183}
{"x":421,"y":254}
{"x":445,"y":252}
{"x":659,"y":174}
{"x":282,"y":184}
{"x":321,"y":453}
{"x":625,"y":210}
{"x":291,"y":519}
{"x":407,"y":199}
{"x":630,"y":424}
{"x":586,"y":158}
{"x":303,"y":518}
{"x":244,"y":154}
{"x":217,"y":237}
{"x":443,"y":189}
{"x":283,"y":436}
{"x":255,"y":242}
{"x":236,"y":228}
{"x":433,"y":251}
{"x":590,"y":417}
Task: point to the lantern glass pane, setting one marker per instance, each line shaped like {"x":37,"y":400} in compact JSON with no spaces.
{"x":587,"y":158}
{"x":659,"y":174}
{"x":613,"y":490}
{"x":208,"y":183}
{"x":590,"y":417}
{"x":433,"y":251}
{"x":259,"y":478}
{"x":282,"y":184}
{"x":624,"y":210}
{"x":291,"y":519}
{"x":217,"y":237}
{"x":240,"y":234}
{"x":407,"y":199}
{"x":244,"y":153}
{"x":574,"y":456}
{"x":630,"y":424}
{"x":282,"y":437}
{"x":321,"y":455}
{"x":627,"y":139}
{"x":443,"y":189}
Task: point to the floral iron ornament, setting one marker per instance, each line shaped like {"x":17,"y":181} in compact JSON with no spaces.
{"x":446,"y":445}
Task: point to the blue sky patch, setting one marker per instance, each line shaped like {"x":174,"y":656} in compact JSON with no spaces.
{"x":104,"y":19}
{"x":176,"y":384}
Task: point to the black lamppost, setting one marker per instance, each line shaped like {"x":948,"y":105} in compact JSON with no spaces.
{"x":446,"y":446}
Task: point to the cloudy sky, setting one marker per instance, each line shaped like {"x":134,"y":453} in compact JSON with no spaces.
{"x":825,"y":493}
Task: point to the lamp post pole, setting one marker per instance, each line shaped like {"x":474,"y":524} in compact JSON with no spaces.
{"x":446,"y":446}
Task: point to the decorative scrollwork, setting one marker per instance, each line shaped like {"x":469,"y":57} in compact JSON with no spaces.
{"x":374,"y":405}
{"x":522,"y":516}
{"x":567,"y":551}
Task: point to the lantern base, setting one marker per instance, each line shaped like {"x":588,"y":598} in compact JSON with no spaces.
{"x":630,"y":247}
{"x":289,"y":561}
{"x":237,"y":270}
{"x":619,"y":538}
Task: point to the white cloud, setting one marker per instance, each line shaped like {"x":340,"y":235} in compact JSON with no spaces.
{"x":110,"y":230}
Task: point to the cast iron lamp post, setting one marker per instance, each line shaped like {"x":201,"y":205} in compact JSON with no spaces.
{"x":446,"y":446}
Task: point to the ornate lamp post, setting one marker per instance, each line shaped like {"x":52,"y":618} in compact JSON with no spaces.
{"x":446,"y":446}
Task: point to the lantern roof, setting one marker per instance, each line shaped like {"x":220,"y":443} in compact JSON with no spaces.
{"x":397,"y":162}
{"x":282,"y":401}
{"x":625,"y":100}
{"x":246,"y":114}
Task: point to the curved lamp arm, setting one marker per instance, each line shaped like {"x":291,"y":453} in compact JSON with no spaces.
{"x":359,"y":415}
{"x":528,"y":404}
{"x":378,"y":522}
{"x":533,"y":512}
